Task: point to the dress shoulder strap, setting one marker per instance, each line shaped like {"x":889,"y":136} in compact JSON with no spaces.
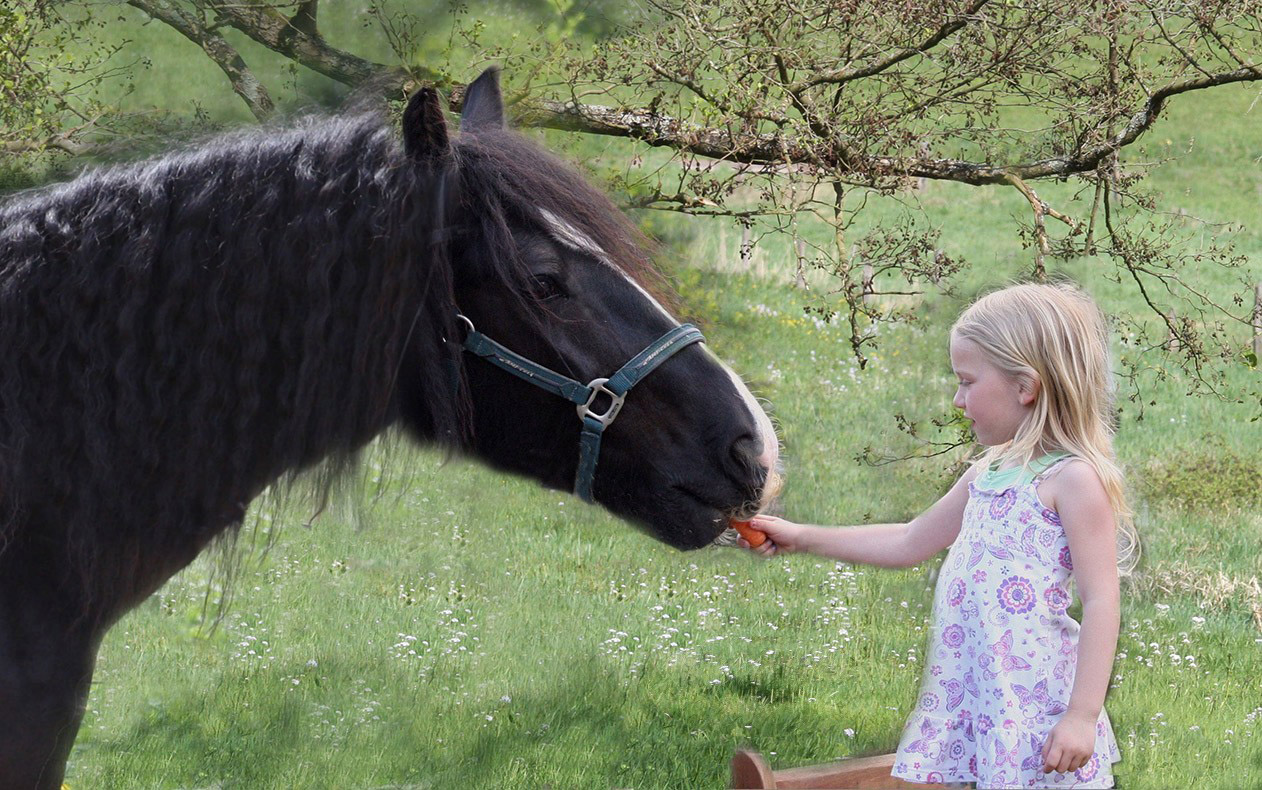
{"x":1052,"y":468}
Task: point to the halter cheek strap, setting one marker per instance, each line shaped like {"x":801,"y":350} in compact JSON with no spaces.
{"x":584,"y":396}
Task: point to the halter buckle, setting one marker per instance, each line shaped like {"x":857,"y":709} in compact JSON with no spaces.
{"x":597,"y":387}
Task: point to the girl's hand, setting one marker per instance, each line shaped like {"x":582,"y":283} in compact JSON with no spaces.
{"x":1070,"y":744}
{"x":781,"y":535}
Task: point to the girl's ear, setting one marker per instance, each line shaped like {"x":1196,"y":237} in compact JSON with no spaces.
{"x":1029,"y":390}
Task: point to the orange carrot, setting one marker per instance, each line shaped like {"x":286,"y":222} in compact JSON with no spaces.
{"x":754,"y":537}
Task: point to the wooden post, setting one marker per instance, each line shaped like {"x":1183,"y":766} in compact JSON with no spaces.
{"x":722,"y":249}
{"x":1257,"y":320}
{"x":750,"y":771}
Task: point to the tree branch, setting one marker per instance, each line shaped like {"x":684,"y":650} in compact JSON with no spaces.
{"x":60,"y":142}
{"x":835,"y":76}
{"x":767,"y":149}
{"x":300,"y":42}
{"x":1041,"y":209}
{"x":246,"y":85}
{"x":304,"y":19}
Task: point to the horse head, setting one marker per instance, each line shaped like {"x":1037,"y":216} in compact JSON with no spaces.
{"x":548,"y":268}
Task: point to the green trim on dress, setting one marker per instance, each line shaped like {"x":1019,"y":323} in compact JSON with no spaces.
{"x":994,"y":479}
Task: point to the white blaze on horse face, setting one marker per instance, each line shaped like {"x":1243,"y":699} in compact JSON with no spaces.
{"x":770,"y":457}
{"x":570,"y":236}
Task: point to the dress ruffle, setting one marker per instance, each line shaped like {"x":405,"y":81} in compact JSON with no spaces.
{"x":937,"y":749}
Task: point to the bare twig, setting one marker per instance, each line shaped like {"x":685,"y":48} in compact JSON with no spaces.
{"x":1041,"y":247}
{"x":299,"y":41}
{"x":837,"y":76}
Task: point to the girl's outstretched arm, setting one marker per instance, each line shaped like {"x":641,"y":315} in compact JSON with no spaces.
{"x":885,"y":545}
{"x":1090,"y":525}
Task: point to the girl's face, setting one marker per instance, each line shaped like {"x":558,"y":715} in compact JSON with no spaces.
{"x":995,"y":402}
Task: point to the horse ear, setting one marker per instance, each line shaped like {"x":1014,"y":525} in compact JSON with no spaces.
{"x":483,"y":103}
{"x":424,"y":127}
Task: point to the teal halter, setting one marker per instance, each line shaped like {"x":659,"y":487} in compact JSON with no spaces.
{"x":584,"y":395}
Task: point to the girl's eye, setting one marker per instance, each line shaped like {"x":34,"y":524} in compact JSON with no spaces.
{"x":544,"y":287}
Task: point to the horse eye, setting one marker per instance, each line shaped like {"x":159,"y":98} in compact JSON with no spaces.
{"x":544,"y":287}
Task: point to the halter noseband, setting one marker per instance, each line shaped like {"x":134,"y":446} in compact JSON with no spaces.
{"x":584,"y":395}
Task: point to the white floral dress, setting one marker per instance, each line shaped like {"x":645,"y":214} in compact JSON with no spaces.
{"x":1002,"y":649}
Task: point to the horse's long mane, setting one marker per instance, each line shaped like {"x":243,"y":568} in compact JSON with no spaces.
{"x":180,"y":331}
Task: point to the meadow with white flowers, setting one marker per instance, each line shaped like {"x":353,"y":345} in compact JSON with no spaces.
{"x":445,"y":626}
{"x":441,"y":625}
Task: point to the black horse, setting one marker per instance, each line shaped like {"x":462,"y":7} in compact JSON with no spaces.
{"x":181,"y":333}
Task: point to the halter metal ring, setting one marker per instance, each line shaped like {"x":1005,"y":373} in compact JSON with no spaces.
{"x":597,"y":387}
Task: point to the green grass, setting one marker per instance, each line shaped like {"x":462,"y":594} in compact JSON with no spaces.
{"x":438,"y":636}
{"x":525,"y":639}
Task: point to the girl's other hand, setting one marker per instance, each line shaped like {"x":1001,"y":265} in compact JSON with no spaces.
{"x":1070,"y":744}
{"x":781,"y":535}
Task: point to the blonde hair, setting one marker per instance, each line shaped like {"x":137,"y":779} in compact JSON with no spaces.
{"x":1055,"y":334}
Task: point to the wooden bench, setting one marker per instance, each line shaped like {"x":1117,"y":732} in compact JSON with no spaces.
{"x":750,"y":771}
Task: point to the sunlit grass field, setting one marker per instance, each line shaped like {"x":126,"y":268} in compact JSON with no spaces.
{"x":461,"y":629}
{"x":444,"y":626}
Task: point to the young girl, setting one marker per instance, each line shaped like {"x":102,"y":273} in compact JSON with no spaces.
{"x":1013,"y":689}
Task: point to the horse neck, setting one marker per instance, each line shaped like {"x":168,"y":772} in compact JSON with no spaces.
{"x":183,"y":332}
{"x":353,"y":264}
